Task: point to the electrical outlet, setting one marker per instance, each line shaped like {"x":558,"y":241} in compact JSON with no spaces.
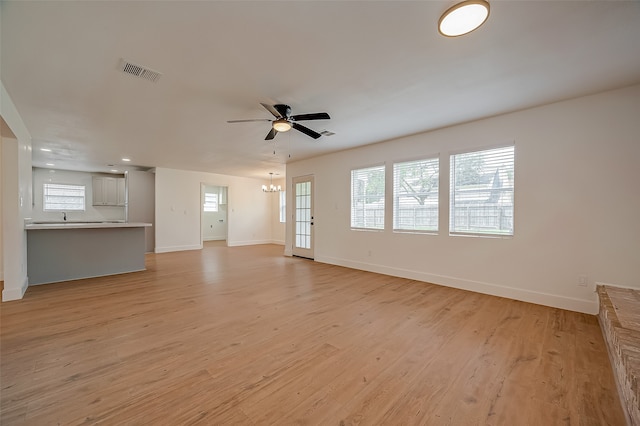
{"x":583,"y":280}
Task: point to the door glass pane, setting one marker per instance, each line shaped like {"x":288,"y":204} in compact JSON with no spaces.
{"x":303,"y":215}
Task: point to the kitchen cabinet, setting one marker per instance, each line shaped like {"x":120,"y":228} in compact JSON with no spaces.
{"x":122,"y":194}
{"x":108,"y":191}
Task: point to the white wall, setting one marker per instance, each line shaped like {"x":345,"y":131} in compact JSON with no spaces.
{"x":577,"y":208}
{"x":141,"y":203}
{"x":178,"y":209}
{"x":214,"y":224}
{"x":91,"y":213}
{"x":16,"y":198}
{"x":277,"y":228}
{"x":1,"y":191}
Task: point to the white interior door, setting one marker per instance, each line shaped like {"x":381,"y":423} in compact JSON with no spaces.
{"x":303,"y":216}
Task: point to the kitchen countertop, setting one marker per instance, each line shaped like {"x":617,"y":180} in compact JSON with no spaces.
{"x":84,"y":225}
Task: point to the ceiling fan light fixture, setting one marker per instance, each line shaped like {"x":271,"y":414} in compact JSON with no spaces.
{"x":284,"y":121}
{"x":463,"y":18}
{"x":282,"y":125}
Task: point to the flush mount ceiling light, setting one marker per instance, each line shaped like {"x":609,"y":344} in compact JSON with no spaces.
{"x":463,"y":18}
{"x":282,"y":125}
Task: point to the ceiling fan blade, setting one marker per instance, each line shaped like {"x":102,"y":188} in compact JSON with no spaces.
{"x":247,"y":121}
{"x":272,"y":110}
{"x":314,"y":116}
{"x":307,"y":131}
{"x":272,"y":134}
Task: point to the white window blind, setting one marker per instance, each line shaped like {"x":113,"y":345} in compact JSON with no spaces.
{"x":62,"y":197}
{"x":415,"y":195}
{"x":283,"y":207}
{"x":367,"y":198}
{"x":210,"y":202}
{"x":482,"y":185}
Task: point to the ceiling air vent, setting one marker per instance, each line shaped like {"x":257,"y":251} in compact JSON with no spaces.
{"x":139,"y":71}
{"x":327,"y":133}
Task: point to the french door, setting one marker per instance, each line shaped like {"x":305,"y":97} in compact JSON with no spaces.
{"x":303,"y":216}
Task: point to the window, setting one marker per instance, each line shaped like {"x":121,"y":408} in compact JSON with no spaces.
{"x":210,"y":202}
{"x":482,"y":192}
{"x":61,"y":197}
{"x":283,"y":207}
{"x":415,"y":195}
{"x":367,"y":198}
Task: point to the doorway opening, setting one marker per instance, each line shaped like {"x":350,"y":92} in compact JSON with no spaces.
{"x":213,"y":214}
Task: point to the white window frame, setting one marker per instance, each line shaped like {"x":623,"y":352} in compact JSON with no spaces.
{"x":48,"y":202}
{"x":211,"y":202}
{"x":377,"y":223}
{"x":494,"y":206}
{"x":420,"y":204}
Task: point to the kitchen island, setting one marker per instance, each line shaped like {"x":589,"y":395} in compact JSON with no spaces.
{"x":63,"y":251}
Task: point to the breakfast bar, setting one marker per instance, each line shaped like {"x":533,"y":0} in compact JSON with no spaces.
{"x":69,"y":251}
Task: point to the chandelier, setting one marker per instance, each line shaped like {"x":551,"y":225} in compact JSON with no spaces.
{"x":272,"y":187}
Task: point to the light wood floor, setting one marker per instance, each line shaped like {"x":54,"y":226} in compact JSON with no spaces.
{"x":245,"y":335}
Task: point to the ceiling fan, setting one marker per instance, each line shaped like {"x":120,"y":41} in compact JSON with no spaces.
{"x":285,"y":121}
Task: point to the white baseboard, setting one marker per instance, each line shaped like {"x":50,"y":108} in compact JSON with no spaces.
{"x":15,"y":293}
{"x":546,"y":299}
{"x":247,"y":243}
{"x":289,"y":252}
{"x":278,"y":242}
{"x":178,"y":248}
{"x":214,"y":239}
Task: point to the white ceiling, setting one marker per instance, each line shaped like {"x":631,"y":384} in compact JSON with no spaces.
{"x":379,"y":68}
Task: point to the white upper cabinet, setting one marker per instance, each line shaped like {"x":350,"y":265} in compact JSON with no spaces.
{"x":108,"y":191}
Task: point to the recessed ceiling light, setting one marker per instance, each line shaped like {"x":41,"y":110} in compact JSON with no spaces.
{"x":45,"y":149}
{"x":114,"y":171}
{"x":463,"y":18}
{"x":50,"y":164}
{"x":126,"y":159}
